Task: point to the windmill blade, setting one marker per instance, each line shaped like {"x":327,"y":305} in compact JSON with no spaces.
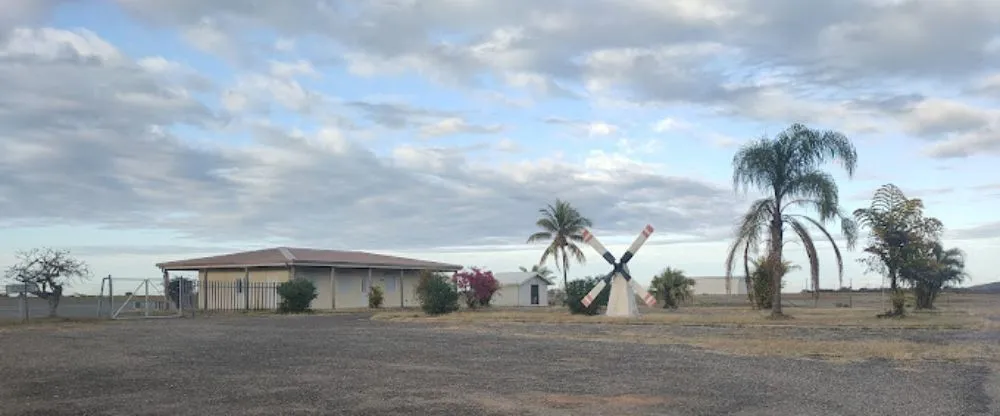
{"x":590,"y":239}
{"x":639,"y":241}
{"x":587,"y":300}
{"x":647,"y":298}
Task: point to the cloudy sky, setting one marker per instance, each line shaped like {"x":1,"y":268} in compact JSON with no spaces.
{"x":138,"y":131}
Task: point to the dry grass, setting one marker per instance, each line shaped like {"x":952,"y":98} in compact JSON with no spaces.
{"x":822,"y":332}
{"x":773,"y":344}
{"x":954,"y":312}
{"x":715,"y":316}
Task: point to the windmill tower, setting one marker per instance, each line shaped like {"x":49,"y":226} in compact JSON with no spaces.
{"x":621,"y":300}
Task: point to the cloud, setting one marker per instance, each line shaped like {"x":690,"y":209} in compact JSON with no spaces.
{"x":770,"y":60}
{"x":92,"y":135}
{"x":982,"y":231}
{"x":455,"y":125}
{"x":116,"y":158}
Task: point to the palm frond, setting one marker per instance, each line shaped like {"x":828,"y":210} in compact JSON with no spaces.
{"x":540,"y":236}
{"x":833,"y":243}
{"x":807,"y":242}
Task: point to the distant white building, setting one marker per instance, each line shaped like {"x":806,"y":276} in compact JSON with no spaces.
{"x":521,"y":289}
{"x":716,"y":285}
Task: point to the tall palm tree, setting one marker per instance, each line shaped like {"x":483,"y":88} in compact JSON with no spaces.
{"x":562,"y":225}
{"x":786,"y":169}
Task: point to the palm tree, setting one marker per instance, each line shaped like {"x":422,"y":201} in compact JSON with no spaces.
{"x":786,"y":169}
{"x":941,"y":268}
{"x":894,"y":221}
{"x":562,"y":226}
{"x":540,"y":270}
{"x":673,"y":287}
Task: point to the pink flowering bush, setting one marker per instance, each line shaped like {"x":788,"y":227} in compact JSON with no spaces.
{"x":476,"y":285}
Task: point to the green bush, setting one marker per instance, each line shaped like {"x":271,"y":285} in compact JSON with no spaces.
{"x":436,"y":295}
{"x":376,"y":297}
{"x":577,"y":289}
{"x":762,"y":280}
{"x":296,"y":295}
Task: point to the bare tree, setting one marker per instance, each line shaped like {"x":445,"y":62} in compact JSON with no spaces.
{"x":50,"y":270}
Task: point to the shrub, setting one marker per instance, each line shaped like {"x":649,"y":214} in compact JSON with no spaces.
{"x":296,"y":295}
{"x":425,"y":279}
{"x":577,"y":289}
{"x":672,"y":287}
{"x":376,"y":297}
{"x":476,"y":286}
{"x":437,"y":296}
{"x":557,"y":297}
{"x":762,"y":280}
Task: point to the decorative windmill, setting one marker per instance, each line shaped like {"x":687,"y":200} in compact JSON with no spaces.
{"x":621,"y":302}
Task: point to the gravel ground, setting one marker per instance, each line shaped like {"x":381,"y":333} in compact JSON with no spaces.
{"x":347,"y":365}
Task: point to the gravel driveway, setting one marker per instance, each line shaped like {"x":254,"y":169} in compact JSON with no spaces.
{"x":348,"y":365}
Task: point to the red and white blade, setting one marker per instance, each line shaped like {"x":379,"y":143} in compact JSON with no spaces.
{"x":641,"y":239}
{"x":587,"y":300}
{"x":647,"y":298}
{"x":592,"y":240}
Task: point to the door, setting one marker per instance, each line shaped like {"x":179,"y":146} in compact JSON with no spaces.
{"x":534,"y":294}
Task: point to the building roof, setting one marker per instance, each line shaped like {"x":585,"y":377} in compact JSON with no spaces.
{"x":287,"y":256}
{"x":517,"y":278}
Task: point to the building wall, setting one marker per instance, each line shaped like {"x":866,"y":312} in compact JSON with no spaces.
{"x":229,"y":297}
{"x":717,"y":286}
{"x":506,"y":296}
{"x":349,"y":288}
{"x":352,"y":288}
{"x":320,"y":277}
{"x":520,"y":295}
{"x":411,"y":278}
{"x":399,"y":287}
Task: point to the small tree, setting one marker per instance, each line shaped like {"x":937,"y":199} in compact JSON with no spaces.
{"x":50,"y":270}
{"x":672,"y":287}
{"x":577,"y":289}
{"x":436,"y":295}
{"x":937,"y":269}
{"x":175,"y":292}
{"x":376,"y":297}
{"x":477,"y":286}
{"x":296,"y":295}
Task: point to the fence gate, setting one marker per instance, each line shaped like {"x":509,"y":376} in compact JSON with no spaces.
{"x":144,"y":298}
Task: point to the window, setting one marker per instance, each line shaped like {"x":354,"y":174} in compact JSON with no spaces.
{"x":390,"y":284}
{"x":364,"y":284}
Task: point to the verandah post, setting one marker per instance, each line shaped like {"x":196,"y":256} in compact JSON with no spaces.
{"x":246,"y":289}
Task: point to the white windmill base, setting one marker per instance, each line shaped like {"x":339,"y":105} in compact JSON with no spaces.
{"x":621,"y":300}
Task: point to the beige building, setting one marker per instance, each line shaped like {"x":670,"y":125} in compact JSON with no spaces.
{"x":521,"y":289}
{"x":716,"y":285}
{"x":343,"y":279}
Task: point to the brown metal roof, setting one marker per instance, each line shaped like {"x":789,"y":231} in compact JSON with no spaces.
{"x":281,"y":256}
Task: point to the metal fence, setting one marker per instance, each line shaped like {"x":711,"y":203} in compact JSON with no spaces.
{"x":239,"y":295}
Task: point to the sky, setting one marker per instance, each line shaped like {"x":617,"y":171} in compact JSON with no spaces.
{"x":139,"y":131}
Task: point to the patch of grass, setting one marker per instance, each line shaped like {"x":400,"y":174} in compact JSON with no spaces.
{"x":748,"y":343}
{"x":714,"y":316}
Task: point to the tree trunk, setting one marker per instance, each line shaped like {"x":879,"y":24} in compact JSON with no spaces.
{"x":898,"y":305}
{"x":53,"y":300}
{"x":775,"y":260}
